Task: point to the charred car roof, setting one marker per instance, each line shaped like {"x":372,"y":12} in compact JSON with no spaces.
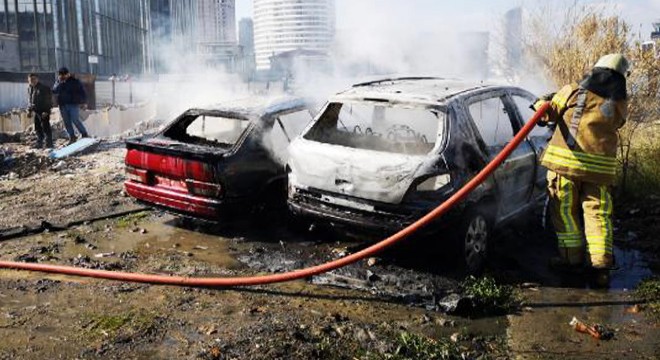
{"x":252,"y":107}
{"x":419,"y":90}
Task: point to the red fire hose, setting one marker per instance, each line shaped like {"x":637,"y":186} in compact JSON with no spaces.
{"x":302,"y":273}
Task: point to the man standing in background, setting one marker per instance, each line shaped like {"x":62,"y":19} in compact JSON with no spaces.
{"x":70,"y":97}
{"x":40,"y":102}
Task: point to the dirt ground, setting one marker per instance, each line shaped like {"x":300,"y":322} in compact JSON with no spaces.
{"x":389,"y":307}
{"x":35,"y":188}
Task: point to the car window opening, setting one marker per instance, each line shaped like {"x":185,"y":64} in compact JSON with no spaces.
{"x":286,"y":128}
{"x":208,"y":130}
{"x":493,"y":122}
{"x":380,"y":127}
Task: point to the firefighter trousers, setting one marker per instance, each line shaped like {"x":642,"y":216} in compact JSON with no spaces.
{"x":580,"y":210}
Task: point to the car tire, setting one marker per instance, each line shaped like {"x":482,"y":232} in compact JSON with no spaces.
{"x":472,"y":241}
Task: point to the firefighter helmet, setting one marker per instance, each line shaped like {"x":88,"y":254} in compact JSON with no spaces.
{"x":616,"y":62}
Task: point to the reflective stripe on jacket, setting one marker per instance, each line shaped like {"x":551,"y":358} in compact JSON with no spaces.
{"x":584,"y":144}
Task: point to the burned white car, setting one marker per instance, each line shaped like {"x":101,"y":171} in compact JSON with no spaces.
{"x":384,"y":153}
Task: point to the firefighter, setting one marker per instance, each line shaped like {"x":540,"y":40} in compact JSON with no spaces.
{"x":581,"y":163}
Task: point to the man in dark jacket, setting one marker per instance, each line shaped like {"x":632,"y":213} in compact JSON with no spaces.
{"x":40,"y":102}
{"x":70,"y":96}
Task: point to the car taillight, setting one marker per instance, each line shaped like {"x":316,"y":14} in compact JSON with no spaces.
{"x":135,"y":174}
{"x":204,"y":188}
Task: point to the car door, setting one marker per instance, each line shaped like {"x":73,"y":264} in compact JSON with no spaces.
{"x":496,"y":121}
{"x":538,"y":138}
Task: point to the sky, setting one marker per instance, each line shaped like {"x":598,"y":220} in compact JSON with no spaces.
{"x":474,"y":15}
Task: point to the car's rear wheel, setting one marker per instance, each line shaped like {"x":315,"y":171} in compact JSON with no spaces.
{"x":472,"y":241}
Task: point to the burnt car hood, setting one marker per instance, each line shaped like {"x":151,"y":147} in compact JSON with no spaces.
{"x":366,"y":174}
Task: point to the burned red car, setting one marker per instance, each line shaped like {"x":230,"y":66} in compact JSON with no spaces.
{"x":217,"y":160}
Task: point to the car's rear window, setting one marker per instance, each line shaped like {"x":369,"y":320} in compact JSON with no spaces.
{"x":207,"y":130}
{"x":380,"y":127}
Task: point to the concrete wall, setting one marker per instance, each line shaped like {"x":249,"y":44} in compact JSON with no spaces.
{"x":9,"y":56}
{"x":14,"y":122}
{"x":99,"y":123}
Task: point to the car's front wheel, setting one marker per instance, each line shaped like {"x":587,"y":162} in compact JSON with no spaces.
{"x":472,"y":241}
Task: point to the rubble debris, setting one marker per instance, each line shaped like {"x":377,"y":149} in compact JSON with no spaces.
{"x":455,"y":304}
{"x":372,"y":277}
{"x":86,"y":262}
{"x":22,"y":165}
{"x":10,"y":138}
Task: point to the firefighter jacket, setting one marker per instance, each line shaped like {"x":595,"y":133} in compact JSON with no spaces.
{"x":584,"y":144}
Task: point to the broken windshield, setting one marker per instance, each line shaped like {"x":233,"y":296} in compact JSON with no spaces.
{"x":207,"y":130}
{"x":379,"y":127}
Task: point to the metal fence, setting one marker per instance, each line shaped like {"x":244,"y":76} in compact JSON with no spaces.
{"x":12,"y":96}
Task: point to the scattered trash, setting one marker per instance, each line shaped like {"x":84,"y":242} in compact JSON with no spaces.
{"x":372,"y":261}
{"x":58,"y":166}
{"x":340,"y":252}
{"x":102,"y":255}
{"x":444,"y":322}
{"x":208,"y":329}
{"x":215,"y":353}
{"x":596,"y":331}
{"x":635,"y":309}
{"x":143,"y":231}
{"x":199,"y":247}
{"x":455,"y":337}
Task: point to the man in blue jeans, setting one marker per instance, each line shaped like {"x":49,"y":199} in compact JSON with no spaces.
{"x":70,"y":97}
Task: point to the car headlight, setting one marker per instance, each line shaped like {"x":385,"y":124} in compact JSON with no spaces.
{"x":434,"y":183}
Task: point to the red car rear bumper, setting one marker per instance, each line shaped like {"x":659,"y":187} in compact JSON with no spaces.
{"x":176,"y":201}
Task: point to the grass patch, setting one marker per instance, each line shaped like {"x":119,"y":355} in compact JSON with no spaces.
{"x":127,"y":324}
{"x":415,"y":347}
{"x":488,"y":297}
{"x":649,"y":290}
{"x":131,"y":219}
{"x":644,"y":171}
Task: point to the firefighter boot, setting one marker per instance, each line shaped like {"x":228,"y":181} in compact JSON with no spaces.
{"x":569,"y":259}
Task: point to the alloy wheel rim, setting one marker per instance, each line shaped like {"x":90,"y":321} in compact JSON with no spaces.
{"x":476,"y":238}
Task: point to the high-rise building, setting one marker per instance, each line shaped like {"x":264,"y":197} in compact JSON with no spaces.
{"x":216,"y":21}
{"x":286,"y":25}
{"x":655,"y":35}
{"x":215,"y":34}
{"x":246,"y":35}
{"x":513,"y":32}
{"x":246,"y":43}
{"x":97,"y":36}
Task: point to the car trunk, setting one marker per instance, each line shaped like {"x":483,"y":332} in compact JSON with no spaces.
{"x":175,"y":166}
{"x":366,"y":174}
